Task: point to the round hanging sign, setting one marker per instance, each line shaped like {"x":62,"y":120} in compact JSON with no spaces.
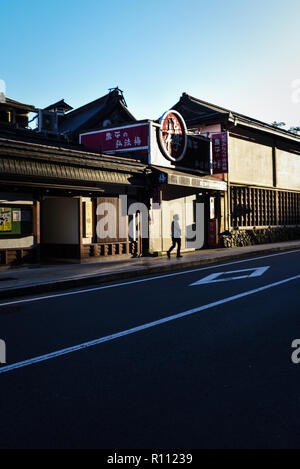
{"x":172,"y":135}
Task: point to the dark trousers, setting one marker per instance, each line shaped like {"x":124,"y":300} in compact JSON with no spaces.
{"x":174,"y":242}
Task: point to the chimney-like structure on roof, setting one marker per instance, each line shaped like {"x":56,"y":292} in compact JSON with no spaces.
{"x":60,"y":107}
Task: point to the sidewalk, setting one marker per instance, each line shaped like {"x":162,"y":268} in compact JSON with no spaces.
{"x":32,"y":279}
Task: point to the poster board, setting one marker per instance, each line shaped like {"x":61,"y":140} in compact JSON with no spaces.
{"x":15,"y":221}
{"x":5,"y":219}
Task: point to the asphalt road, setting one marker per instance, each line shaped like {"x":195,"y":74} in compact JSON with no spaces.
{"x":172,"y":365}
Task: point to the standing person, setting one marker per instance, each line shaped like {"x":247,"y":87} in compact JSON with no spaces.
{"x":176,"y":236}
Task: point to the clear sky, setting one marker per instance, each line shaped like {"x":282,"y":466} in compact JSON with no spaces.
{"x":243,"y":55}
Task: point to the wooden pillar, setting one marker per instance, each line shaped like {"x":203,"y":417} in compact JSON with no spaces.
{"x":274,"y":163}
{"x":226,"y":209}
{"x":139,"y":239}
{"x":221,"y":212}
{"x":127,"y":251}
{"x":229,"y":214}
{"x":37,"y":228}
{"x":80,"y":226}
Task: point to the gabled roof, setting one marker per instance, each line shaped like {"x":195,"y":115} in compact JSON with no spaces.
{"x":196,"y":111}
{"x":197,"y":108}
{"x":89,"y":115}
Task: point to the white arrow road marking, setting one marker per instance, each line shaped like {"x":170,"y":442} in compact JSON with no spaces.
{"x":212,"y":278}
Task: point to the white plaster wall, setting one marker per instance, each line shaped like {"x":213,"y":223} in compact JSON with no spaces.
{"x":155,"y":155}
{"x":24,"y":242}
{"x":161,"y":220}
{"x":250,"y":162}
{"x":169,"y":209}
{"x":288,"y":170}
{"x":155,"y":242}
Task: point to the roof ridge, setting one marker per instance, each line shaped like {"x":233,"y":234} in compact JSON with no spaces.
{"x":205,"y":103}
{"x":13,"y":101}
{"x":238,"y":114}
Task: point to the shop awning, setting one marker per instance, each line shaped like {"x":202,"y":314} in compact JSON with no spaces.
{"x":178,"y":178}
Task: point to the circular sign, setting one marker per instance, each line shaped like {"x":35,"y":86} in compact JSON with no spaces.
{"x":172,"y":135}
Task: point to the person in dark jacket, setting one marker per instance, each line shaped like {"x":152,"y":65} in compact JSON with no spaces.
{"x":176,"y":236}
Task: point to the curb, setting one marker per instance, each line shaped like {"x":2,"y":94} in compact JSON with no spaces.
{"x":105,"y":278}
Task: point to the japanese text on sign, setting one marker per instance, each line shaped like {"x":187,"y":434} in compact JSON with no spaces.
{"x":220,"y":153}
{"x":129,"y":138}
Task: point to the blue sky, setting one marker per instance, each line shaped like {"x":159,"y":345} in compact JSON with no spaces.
{"x":243,"y":55}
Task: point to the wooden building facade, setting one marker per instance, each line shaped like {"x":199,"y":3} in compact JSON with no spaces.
{"x":264,"y":166}
{"x":51,"y":186}
{"x":49,"y":197}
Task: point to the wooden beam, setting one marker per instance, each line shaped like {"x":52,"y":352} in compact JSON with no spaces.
{"x":274,"y":163}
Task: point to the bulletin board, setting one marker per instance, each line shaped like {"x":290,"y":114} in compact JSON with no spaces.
{"x":5,"y":219}
{"x":15,"y":221}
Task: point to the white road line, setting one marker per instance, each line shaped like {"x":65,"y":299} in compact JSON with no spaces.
{"x":142,"y":327}
{"x":131,"y":282}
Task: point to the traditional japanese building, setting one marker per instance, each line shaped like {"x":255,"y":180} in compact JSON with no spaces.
{"x":262,"y":202}
{"x":107,"y":111}
{"x":97,"y":166}
{"x":50,"y":187}
{"x":179,"y":176}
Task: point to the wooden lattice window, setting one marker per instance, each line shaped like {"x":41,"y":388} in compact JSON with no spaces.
{"x":264,"y":207}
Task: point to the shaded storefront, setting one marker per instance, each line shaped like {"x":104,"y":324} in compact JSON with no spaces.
{"x":49,"y":195}
{"x":197,"y":200}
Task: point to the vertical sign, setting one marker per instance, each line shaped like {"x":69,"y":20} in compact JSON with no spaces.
{"x":88,"y":219}
{"x":220,"y":153}
{"x":211,"y":207}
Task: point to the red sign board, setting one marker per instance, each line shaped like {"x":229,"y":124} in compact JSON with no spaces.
{"x":173,"y":135}
{"x":220,"y":153}
{"x":129,"y":138}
